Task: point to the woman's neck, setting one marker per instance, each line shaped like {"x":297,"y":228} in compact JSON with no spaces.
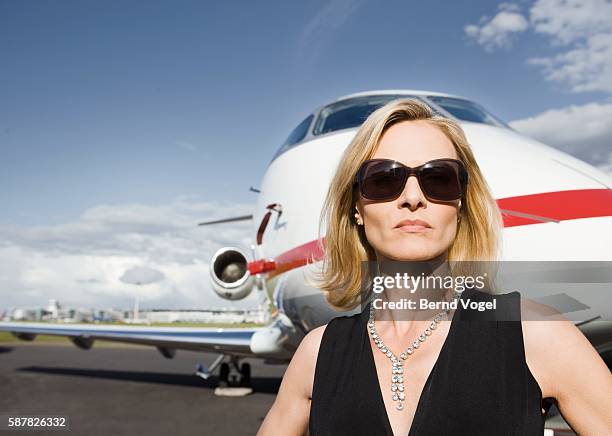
{"x":413,"y":290}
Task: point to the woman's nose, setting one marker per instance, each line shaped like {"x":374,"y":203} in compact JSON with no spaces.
{"x":412,"y":193}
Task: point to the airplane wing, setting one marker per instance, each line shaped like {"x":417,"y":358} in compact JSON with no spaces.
{"x":233,"y":341}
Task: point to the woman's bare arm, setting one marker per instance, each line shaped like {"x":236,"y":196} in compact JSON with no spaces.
{"x":568,"y":368}
{"x":291,"y":409}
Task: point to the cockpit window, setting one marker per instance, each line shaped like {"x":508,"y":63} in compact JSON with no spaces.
{"x":465,"y":110}
{"x":350,"y":113}
{"x":295,"y":136}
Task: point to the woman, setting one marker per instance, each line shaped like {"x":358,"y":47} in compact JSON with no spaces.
{"x":465,"y":378}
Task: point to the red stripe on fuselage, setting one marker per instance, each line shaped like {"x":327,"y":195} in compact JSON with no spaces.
{"x":559,"y":206}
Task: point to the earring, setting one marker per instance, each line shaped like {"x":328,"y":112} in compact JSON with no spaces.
{"x":357,"y":219}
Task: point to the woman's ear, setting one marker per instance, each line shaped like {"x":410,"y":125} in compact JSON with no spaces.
{"x":357,"y":215}
{"x":459,"y":212}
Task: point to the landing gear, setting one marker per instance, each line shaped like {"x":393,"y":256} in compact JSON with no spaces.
{"x":245,"y":374}
{"x":243,"y":378}
{"x":203,"y":372}
{"x":224,"y":371}
{"x":233,"y":385}
{"x":226,"y":378}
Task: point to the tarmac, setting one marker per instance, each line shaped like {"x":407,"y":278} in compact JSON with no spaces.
{"x":117,"y":389}
{"x":128,"y":390}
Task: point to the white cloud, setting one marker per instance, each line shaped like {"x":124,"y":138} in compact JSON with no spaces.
{"x":584,"y":131}
{"x":81,"y":263}
{"x":581,"y":34}
{"x":584,"y":31}
{"x":606,"y":166}
{"x":586,"y":67}
{"x":580,"y":31}
{"x":497,"y":32}
{"x":566,"y":21}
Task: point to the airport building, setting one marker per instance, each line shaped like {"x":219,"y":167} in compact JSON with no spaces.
{"x":54,"y":312}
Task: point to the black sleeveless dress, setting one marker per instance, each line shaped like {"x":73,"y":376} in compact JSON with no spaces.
{"x":480,"y":384}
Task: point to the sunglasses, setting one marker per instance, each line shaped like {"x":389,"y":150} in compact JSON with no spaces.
{"x":385,"y":179}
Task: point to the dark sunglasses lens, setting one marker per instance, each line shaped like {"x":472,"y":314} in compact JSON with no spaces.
{"x":381,"y":181}
{"x":440,"y":181}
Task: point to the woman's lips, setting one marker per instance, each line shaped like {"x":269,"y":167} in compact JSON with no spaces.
{"x":412,"y":229}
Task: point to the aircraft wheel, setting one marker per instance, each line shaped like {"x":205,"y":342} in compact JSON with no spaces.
{"x":245,"y":374}
{"x":224,"y":371}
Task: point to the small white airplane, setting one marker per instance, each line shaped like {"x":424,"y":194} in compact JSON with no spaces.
{"x":555,"y":208}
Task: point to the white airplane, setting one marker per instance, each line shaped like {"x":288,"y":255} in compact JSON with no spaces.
{"x":555,"y":208}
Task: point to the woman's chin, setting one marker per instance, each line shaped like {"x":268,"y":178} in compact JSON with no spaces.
{"x":406,"y":256}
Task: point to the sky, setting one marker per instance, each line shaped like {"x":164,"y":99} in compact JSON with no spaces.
{"x":124,"y":123}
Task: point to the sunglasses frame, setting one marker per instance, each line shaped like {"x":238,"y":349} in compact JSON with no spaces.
{"x":409,"y":171}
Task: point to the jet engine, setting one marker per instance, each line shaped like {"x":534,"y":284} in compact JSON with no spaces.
{"x":229,"y":274}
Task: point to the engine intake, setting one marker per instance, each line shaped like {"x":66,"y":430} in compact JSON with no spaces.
{"x":230,"y":275}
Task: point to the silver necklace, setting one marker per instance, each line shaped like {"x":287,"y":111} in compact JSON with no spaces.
{"x":397,"y":378}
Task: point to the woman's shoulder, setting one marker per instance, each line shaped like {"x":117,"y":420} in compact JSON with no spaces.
{"x":566,"y":366}
{"x":312,"y":340}
{"x":547,"y":333}
{"x":308,"y":350}
{"x":307,"y":355}
{"x":486,"y":294}
{"x":310,"y":345}
{"x":300,"y":372}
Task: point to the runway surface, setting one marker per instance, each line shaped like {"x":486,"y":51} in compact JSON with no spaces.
{"x":116,"y":389}
{"x":128,"y":390}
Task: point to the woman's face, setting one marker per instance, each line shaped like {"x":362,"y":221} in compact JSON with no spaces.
{"x":412,"y":143}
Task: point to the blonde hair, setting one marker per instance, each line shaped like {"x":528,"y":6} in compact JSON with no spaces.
{"x":346,"y":246}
